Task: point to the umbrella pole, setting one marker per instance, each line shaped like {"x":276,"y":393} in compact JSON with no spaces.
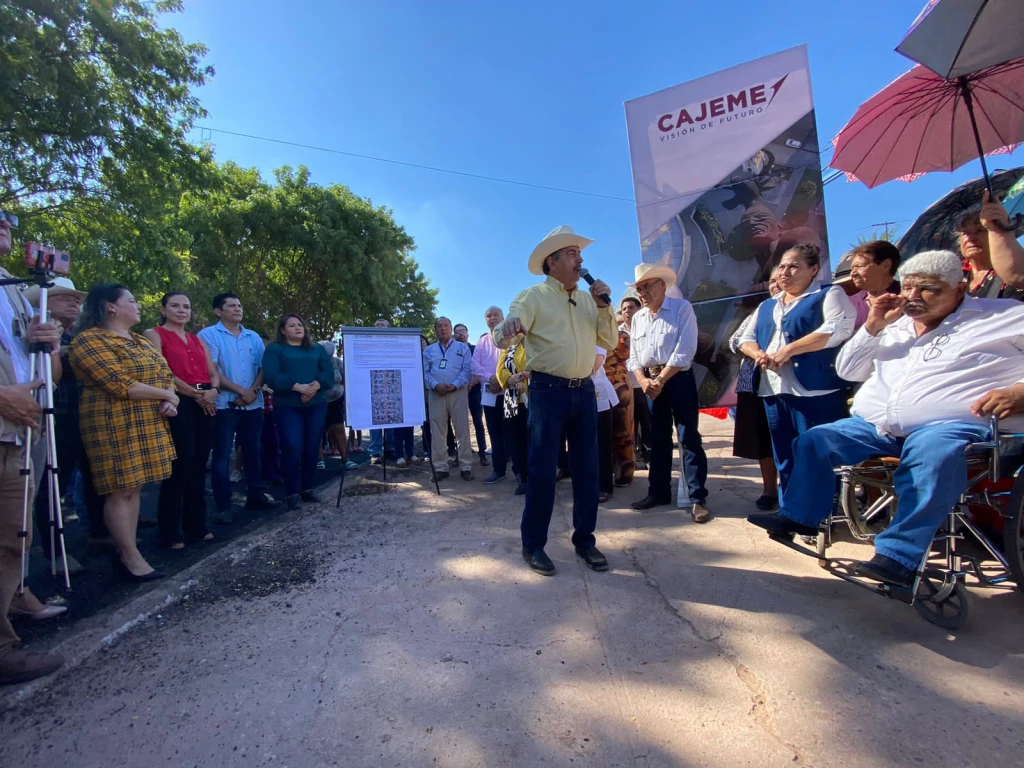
{"x":965,"y":89}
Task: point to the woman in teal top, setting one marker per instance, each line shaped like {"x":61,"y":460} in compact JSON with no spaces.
{"x":299,"y":372}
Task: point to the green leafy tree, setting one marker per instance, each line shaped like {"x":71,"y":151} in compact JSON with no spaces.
{"x":97,"y":103}
{"x":294,"y":246}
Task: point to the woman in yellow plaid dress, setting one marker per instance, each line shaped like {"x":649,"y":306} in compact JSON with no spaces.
{"x":127,"y":397}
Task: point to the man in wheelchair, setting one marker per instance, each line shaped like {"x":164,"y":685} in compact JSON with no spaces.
{"x":936,"y":364}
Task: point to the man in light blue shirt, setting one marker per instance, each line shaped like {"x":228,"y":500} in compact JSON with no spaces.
{"x":238,"y":354}
{"x":447,"y":369}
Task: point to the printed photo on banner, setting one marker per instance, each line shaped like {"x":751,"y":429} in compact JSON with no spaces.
{"x":727,"y":176}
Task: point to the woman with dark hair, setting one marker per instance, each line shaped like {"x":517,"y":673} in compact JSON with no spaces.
{"x":182,"y":504}
{"x":299,"y":372}
{"x":794,"y":342}
{"x":126,"y":399}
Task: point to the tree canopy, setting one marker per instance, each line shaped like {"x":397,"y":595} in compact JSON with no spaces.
{"x":94,"y":154}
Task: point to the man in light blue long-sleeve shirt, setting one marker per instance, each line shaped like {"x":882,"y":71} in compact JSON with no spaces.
{"x":447,"y":369}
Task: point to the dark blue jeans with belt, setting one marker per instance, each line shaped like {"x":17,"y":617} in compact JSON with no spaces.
{"x":561,"y":408}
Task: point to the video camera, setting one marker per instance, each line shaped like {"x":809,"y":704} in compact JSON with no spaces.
{"x":46,"y":258}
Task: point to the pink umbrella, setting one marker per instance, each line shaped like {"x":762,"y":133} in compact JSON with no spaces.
{"x":921,"y":123}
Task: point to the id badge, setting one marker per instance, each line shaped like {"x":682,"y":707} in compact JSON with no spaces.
{"x":442,"y":364}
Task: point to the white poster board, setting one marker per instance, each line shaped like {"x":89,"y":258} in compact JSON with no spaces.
{"x":383,"y":377}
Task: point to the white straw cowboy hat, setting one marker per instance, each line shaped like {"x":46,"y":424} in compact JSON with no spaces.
{"x":62,"y":286}
{"x":644,"y":272}
{"x":557,"y":239}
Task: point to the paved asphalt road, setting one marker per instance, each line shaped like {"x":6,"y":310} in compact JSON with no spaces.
{"x":404,"y":630}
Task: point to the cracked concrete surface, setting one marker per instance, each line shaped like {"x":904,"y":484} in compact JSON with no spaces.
{"x":404,"y":630}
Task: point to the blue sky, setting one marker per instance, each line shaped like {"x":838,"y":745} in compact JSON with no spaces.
{"x":531,"y":91}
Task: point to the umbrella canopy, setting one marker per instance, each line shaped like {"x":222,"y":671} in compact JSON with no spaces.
{"x":921,"y":123}
{"x":934,"y":229}
{"x":959,"y":37}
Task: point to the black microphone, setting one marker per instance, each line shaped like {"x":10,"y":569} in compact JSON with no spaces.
{"x":585,"y":274}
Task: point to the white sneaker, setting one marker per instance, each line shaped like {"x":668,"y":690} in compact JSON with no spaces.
{"x":401,"y":463}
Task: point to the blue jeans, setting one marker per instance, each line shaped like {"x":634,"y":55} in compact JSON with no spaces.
{"x":495,"y":416}
{"x":790,"y":416}
{"x":248,"y":426}
{"x":558,"y":412}
{"x":405,"y":443}
{"x":677,"y":405}
{"x":931,"y":475}
{"x":301,"y":428}
{"x":381,"y":440}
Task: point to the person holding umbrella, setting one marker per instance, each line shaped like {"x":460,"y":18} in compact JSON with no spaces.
{"x":1006,"y":254}
{"x":975,"y":246}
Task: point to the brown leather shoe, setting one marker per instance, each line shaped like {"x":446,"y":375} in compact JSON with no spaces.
{"x":18,"y":666}
{"x":699,"y":513}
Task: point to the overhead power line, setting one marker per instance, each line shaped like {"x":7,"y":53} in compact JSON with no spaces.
{"x":436,"y":169}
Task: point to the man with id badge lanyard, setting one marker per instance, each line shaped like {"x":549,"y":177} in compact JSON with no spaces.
{"x":447,"y":369}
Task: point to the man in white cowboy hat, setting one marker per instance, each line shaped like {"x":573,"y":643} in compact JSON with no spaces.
{"x":663,"y":342}
{"x":561,"y":326}
{"x":64,"y":303}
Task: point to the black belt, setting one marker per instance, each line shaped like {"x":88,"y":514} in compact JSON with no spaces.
{"x":203,"y":387}
{"x":558,"y":381}
{"x":654,"y":370}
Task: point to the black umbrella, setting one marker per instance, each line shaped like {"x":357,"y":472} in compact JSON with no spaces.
{"x":934,"y":229}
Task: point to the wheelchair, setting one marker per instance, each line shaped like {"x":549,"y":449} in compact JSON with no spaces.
{"x":993,"y":500}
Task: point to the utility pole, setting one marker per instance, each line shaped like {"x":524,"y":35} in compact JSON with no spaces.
{"x":886,"y":225}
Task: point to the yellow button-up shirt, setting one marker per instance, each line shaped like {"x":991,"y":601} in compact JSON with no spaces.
{"x":560,"y":337}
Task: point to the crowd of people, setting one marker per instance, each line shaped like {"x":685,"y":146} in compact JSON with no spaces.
{"x":566,"y":385}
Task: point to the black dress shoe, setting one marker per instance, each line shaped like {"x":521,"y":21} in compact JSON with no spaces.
{"x":781,"y":526}
{"x":442,"y":475}
{"x":121,"y":572}
{"x":466,"y":475}
{"x":648,"y":502}
{"x":309,"y":496}
{"x":539,"y":561}
{"x":886,"y":570}
{"x":766,"y":502}
{"x":603,"y":496}
{"x":593,"y":557}
{"x":484,"y":461}
{"x":520,"y":489}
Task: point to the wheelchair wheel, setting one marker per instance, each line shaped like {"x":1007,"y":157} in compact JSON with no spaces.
{"x":1013,"y":532}
{"x":869,"y":504}
{"x":941,"y":599}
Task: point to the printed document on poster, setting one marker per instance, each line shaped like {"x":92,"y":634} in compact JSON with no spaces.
{"x":383,"y":379}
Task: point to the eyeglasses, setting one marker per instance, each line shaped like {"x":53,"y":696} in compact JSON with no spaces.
{"x":933,"y":351}
{"x":10,"y":218}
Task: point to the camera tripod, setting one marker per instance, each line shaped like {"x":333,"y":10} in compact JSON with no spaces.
{"x":41,"y":365}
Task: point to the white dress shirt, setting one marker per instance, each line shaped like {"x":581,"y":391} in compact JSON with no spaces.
{"x":913,"y":381}
{"x":838,"y":318}
{"x":603,"y":387}
{"x":667,"y":338}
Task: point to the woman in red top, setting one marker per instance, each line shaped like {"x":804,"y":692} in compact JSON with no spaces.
{"x":182,"y":504}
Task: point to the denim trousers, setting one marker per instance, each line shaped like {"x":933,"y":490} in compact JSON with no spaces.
{"x":248,"y":426}
{"x":931,"y":475}
{"x":302,"y":430}
{"x":790,"y":416}
{"x":405,"y":443}
{"x":495,"y":417}
{"x":559,"y":412}
{"x":476,"y":414}
{"x":677,"y":406}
